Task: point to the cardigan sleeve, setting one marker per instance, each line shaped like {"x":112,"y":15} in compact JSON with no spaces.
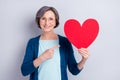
{"x":72,"y":64}
{"x":27,"y":66}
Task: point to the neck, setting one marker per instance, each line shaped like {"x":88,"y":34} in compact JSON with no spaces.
{"x":48,"y":36}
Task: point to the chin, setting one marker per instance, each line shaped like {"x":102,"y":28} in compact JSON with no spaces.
{"x":47,"y":30}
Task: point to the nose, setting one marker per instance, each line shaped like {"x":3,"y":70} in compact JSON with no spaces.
{"x":46,"y":21}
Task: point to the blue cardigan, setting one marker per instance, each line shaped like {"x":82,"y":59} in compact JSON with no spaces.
{"x":66,"y":58}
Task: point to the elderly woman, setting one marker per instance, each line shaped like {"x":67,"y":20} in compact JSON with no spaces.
{"x":49,"y":54}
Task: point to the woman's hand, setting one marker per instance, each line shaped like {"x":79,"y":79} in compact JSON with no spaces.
{"x":48,"y":54}
{"x":84,"y":53}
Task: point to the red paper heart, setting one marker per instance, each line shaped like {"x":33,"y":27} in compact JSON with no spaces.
{"x":81,"y":36}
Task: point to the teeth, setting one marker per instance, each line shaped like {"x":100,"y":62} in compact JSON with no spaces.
{"x":46,"y":26}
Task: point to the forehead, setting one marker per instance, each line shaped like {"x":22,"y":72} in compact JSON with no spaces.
{"x":49,"y":13}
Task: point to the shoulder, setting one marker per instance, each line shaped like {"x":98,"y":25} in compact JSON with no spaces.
{"x":34,"y":40}
{"x":63,"y":39}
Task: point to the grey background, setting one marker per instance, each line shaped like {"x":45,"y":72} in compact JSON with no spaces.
{"x":17,"y":26}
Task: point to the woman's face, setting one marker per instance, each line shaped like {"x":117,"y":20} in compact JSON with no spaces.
{"x":48,"y":21}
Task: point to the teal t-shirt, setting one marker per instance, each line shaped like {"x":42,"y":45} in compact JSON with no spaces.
{"x":49,"y":69}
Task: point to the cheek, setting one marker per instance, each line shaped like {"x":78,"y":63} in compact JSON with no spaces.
{"x":54,"y":23}
{"x":41,"y":23}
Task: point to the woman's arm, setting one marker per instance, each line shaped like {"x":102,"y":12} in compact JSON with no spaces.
{"x":85,"y":54}
{"x":27,"y":66}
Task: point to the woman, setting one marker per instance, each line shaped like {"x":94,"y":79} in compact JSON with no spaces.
{"x":48,"y":55}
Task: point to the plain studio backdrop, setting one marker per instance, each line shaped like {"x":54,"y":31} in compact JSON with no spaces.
{"x":17,"y":26}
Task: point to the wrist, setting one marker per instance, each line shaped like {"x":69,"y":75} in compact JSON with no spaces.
{"x":84,"y":59}
{"x":38,"y":61}
{"x":42,"y":58}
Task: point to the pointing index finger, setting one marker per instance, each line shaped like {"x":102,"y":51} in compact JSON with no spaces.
{"x":55,"y":47}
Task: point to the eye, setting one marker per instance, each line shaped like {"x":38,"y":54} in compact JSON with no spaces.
{"x":51,"y":19}
{"x":42,"y":18}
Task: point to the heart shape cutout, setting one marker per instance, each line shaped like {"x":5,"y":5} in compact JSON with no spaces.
{"x":81,"y":36}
